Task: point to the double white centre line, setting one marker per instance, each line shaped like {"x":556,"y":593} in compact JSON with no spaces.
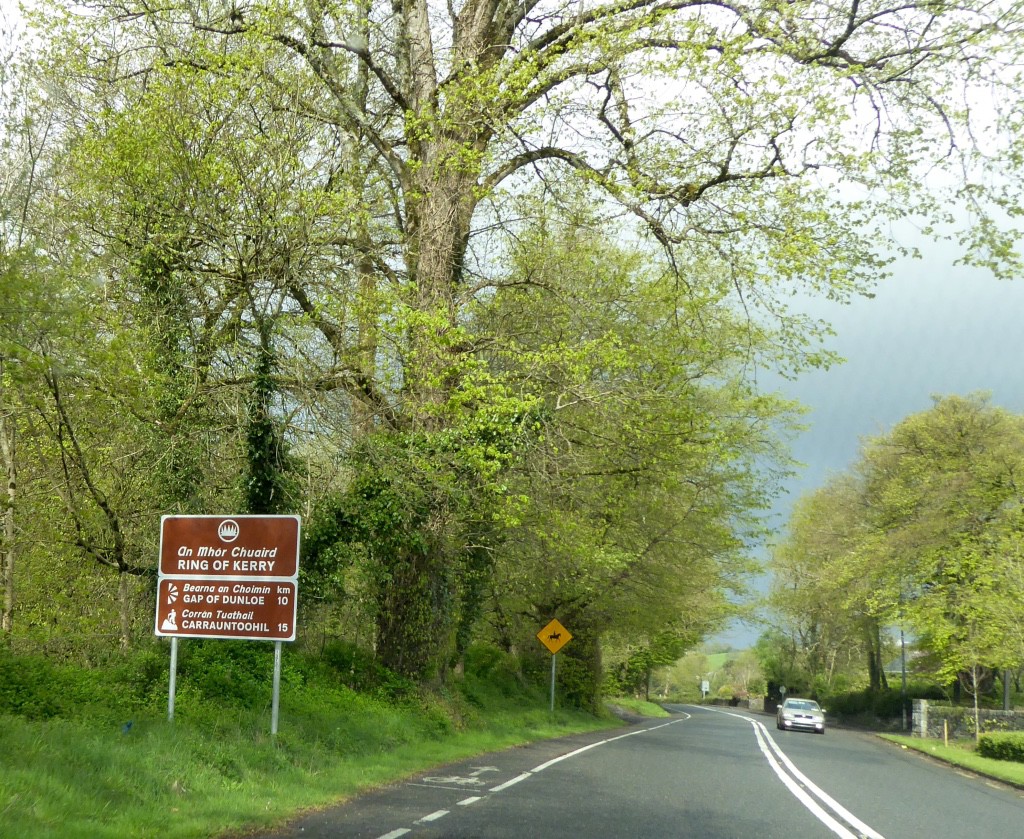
{"x":817,"y":801}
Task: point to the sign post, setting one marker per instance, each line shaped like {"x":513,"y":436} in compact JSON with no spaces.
{"x":233,"y":577}
{"x":554,"y":636}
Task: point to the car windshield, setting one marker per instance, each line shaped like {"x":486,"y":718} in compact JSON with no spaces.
{"x":801,"y":705}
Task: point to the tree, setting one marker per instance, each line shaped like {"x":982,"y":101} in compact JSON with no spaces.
{"x":931,"y":525}
{"x":651,"y":464}
{"x":378,"y":147}
{"x":29,"y":299}
{"x":819,"y":594}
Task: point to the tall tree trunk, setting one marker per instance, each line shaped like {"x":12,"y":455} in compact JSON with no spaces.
{"x":124,"y":608}
{"x":9,"y":551}
{"x":413,"y":612}
{"x":873,"y":645}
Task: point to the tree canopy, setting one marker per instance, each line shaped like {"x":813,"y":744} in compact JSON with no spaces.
{"x":923,"y":533}
{"x":482,"y":289}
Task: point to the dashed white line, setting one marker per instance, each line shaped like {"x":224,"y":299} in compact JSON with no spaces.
{"x":433,"y":817}
{"x":394,"y":834}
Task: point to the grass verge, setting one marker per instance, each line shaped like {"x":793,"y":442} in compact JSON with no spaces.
{"x":88,"y":753}
{"x":963,"y":755}
{"x":638,"y":707}
{"x":68,"y":778}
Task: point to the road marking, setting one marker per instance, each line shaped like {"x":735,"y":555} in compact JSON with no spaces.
{"x":473,"y":780}
{"x":768,"y":746}
{"x":566,"y":756}
{"x":458,"y":780}
{"x":434,"y":786}
{"x":433,"y":817}
{"x":513,"y":782}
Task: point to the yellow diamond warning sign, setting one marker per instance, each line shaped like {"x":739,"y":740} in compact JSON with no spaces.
{"x":554,"y":636}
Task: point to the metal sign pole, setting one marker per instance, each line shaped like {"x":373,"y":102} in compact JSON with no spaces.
{"x":277,"y":689}
{"x":553,"y":657}
{"x":174,"y":679}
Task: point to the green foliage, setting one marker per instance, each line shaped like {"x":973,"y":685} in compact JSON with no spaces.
{"x":872,"y":705}
{"x":362,"y":672}
{"x":232,"y":672}
{"x":923,"y":534}
{"x":33,"y":687}
{"x":488,"y":668}
{"x":269,"y":487}
{"x":83,"y":773}
{"x":632,"y":675}
{"x":1002,"y":745}
{"x":964,"y":755}
{"x":279,"y":247}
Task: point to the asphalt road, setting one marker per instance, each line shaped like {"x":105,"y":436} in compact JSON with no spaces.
{"x":705,"y":773}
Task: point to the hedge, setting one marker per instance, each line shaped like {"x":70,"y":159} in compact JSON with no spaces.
{"x":1002,"y":745}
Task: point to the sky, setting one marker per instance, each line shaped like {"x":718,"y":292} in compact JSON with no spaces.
{"x":933,"y":328}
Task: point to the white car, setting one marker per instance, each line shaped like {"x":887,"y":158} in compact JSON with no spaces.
{"x":804,"y":714}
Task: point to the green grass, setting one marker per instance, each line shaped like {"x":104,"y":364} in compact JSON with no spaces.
{"x":639,"y":706}
{"x":716,"y":661}
{"x":217,"y":770}
{"x":71,"y":767}
{"x":962,"y":754}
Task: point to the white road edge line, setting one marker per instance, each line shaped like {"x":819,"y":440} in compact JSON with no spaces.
{"x":510,"y":783}
{"x":394,"y":834}
{"x":567,"y":755}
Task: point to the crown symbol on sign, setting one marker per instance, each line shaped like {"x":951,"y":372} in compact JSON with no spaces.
{"x":228,"y":530}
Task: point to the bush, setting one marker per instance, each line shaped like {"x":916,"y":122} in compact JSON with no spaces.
{"x":360,"y":671}
{"x":228,"y":671}
{"x":34,"y":688}
{"x":493,"y":669}
{"x":883,"y":704}
{"x":1002,"y":745}
{"x":27,"y":687}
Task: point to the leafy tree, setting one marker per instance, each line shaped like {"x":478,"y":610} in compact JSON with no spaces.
{"x":348,"y":172}
{"x":644,"y":484}
{"x":817,"y":595}
{"x":930,"y":540}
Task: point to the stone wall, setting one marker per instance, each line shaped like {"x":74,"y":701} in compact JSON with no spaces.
{"x":938,"y":721}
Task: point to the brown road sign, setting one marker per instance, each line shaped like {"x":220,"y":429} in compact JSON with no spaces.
{"x":554,"y":636}
{"x":255,"y":610}
{"x":229,"y":546}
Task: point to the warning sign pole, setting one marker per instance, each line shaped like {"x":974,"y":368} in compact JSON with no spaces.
{"x":554,"y":656}
{"x":554,"y":636}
